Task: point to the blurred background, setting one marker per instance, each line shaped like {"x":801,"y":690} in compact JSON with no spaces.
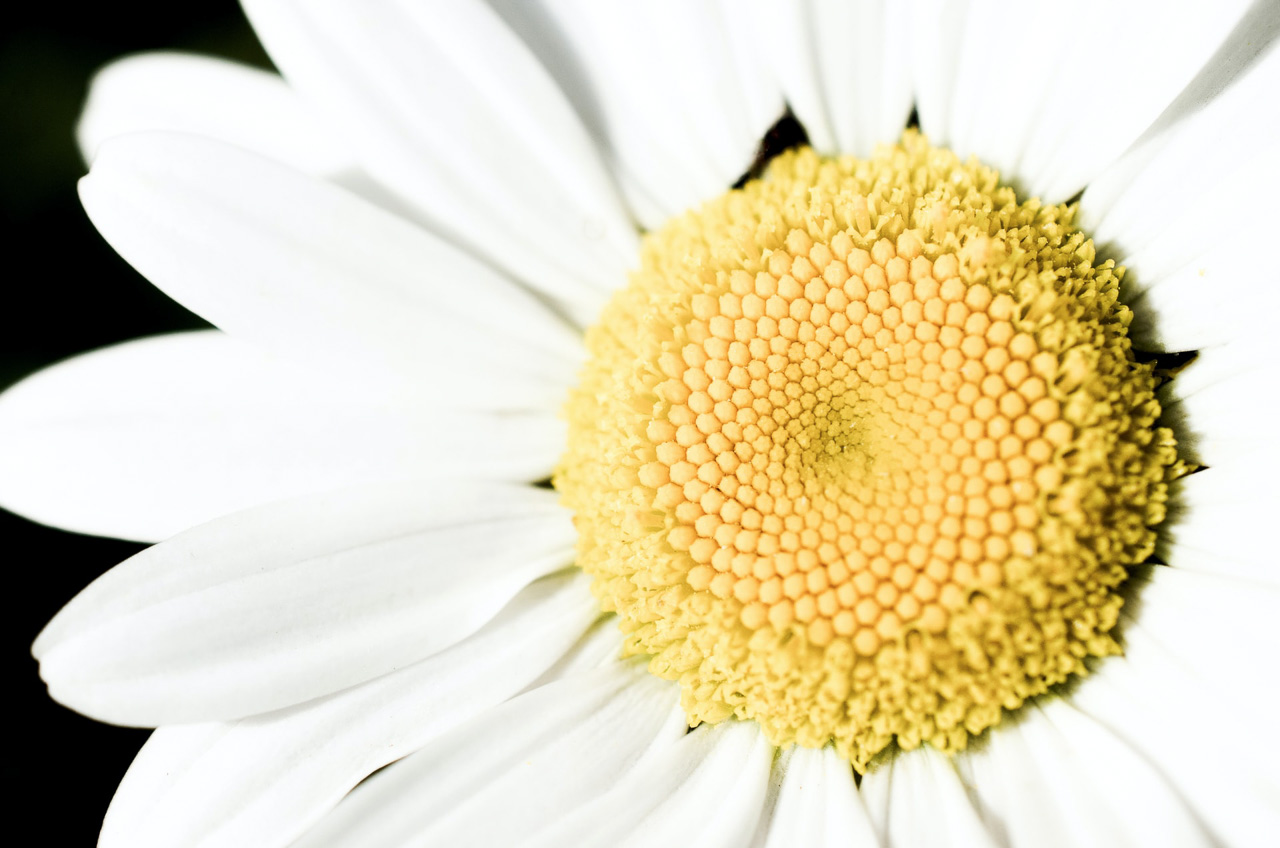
{"x":66,"y":292}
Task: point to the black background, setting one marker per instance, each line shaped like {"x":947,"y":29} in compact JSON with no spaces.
{"x":64,"y":292}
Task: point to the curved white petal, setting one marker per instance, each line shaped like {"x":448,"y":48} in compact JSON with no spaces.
{"x":706,"y":790}
{"x":1228,"y":414}
{"x":272,"y":255}
{"x":817,"y":805}
{"x":675,"y":92}
{"x":264,"y":780}
{"x":145,"y":439}
{"x":896,"y":792}
{"x":601,"y":644}
{"x":1051,"y":98}
{"x":1220,"y":294}
{"x":1221,"y":762}
{"x":1245,"y":353}
{"x":453,"y":113}
{"x":1220,"y":519}
{"x":1205,"y":161}
{"x":1217,"y":629}
{"x":495,"y":778}
{"x":1053,"y":777}
{"x":205,"y":96}
{"x":844,"y":68}
{"x":284,"y":603}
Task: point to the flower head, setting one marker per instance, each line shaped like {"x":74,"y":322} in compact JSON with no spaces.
{"x":870,"y":453}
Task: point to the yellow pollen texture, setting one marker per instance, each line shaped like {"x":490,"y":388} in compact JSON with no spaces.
{"x":862,"y":452}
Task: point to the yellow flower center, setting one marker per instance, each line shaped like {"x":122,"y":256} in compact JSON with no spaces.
{"x":862,"y":452}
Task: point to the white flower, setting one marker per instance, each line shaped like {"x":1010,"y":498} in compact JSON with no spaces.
{"x":401,"y":246}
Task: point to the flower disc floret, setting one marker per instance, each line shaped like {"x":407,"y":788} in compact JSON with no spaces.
{"x":862,"y":452}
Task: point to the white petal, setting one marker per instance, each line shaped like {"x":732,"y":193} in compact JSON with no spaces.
{"x":675,"y":92}
{"x":1055,"y":777}
{"x":1051,"y":100}
{"x":247,"y":107}
{"x":1221,"y":406}
{"x":1182,"y":163}
{"x":817,"y":805}
{"x":1223,"y":294}
{"x":917,"y":799}
{"x":225,"y":100}
{"x":1232,"y":410}
{"x":1221,"y":764}
{"x":452,"y":112}
{"x":1217,"y":629}
{"x":274,"y":256}
{"x":1221,"y":518}
{"x":492,"y":780}
{"x":601,"y":644}
{"x":935,"y":55}
{"x":148,"y":438}
{"x":706,"y":790}
{"x":844,"y":68}
{"x":1247,"y":352}
{"x":264,"y":780}
{"x":283,"y":603}
{"x":769,"y":806}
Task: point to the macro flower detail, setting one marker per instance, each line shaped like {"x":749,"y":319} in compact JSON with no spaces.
{"x":863,"y":454}
{"x":573,"y":463}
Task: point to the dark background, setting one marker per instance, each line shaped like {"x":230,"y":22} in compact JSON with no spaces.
{"x":64,"y":292}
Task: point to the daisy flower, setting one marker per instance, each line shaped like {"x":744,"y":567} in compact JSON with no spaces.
{"x":614,"y":468}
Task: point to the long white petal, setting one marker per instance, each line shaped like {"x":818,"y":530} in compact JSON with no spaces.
{"x":675,"y":92}
{"x":253,"y":109}
{"x":1221,"y":406}
{"x":1221,"y":764}
{"x":706,"y":790}
{"x":1210,"y":154}
{"x":818,"y":805}
{"x":145,"y":439}
{"x":1050,"y":100}
{"x":1055,"y":778}
{"x":272,"y":255}
{"x":1228,"y":414}
{"x":844,"y":68}
{"x":264,"y":780}
{"x":196,"y":94}
{"x":601,"y":644}
{"x":494,"y":779}
{"x":1218,"y":630}
{"x":1206,"y":150}
{"x":896,"y":793}
{"x":453,"y":113}
{"x":292,"y":601}
{"x":1220,"y":520}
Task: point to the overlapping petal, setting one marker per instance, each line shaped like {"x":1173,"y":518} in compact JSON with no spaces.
{"x":264,"y":780}
{"x":181,"y":92}
{"x":1217,"y":759}
{"x":897,"y":791}
{"x":295,"y":600}
{"x":1213,"y":163}
{"x":817,"y":804}
{"x":708,"y":790}
{"x":455,"y":115}
{"x":844,"y":68}
{"x":1086,"y":84}
{"x":304,"y":267}
{"x":676,"y":93}
{"x":148,"y":438}
{"x":1040,"y":782}
{"x":558,"y":746}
